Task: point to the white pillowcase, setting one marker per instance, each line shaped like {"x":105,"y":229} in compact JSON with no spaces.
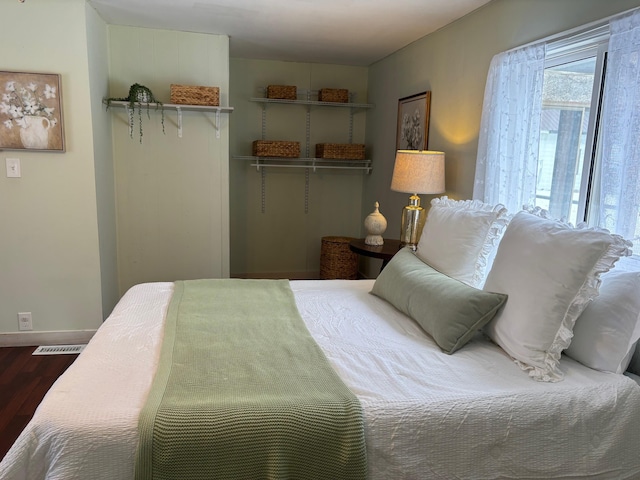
{"x":550,"y":272}
{"x":605,"y":334}
{"x":459,"y":237}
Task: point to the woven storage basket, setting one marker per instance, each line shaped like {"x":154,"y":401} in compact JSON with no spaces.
{"x":282,"y":92}
{"x":340,"y":95}
{"x":272,"y":148}
{"x":195,"y":95}
{"x":347,"y":151}
{"x":337,"y":261}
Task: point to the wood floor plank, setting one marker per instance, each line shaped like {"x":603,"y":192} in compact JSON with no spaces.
{"x":11,"y":432}
{"x":22,"y":392}
{"x":17,"y":362}
{"x":4,"y":352}
{"x":24,"y":380}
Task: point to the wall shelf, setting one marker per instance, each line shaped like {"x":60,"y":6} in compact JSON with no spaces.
{"x":312,"y":164}
{"x":308,"y":99}
{"x":313,"y":103}
{"x":178,"y":108}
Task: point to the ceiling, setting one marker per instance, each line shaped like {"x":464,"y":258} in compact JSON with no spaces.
{"x":348,"y":32}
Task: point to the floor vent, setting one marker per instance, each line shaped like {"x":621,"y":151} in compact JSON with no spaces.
{"x":58,"y":349}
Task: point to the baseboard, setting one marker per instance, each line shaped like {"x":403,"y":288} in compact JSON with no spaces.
{"x":279,"y":275}
{"x":292,"y":275}
{"x":27,"y":339}
{"x":364,"y":276}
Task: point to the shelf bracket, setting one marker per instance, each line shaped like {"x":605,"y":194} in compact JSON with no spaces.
{"x":306,"y":190}
{"x":263,"y":193}
{"x":351,"y":125}
{"x":351,"y":112}
{"x":217,"y":124}
{"x":179,"y":112}
{"x":130,"y":118}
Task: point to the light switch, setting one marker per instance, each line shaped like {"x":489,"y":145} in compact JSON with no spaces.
{"x":13,"y":168}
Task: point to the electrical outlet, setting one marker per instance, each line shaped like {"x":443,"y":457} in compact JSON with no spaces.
{"x":24,"y":321}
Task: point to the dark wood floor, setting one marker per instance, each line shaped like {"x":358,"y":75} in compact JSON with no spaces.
{"x":24,"y":380}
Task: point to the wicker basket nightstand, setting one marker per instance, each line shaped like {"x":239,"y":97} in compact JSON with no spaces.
{"x":337,"y":261}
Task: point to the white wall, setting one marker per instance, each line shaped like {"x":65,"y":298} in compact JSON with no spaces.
{"x":284,"y":241}
{"x":49,"y":257}
{"x":172,"y":194}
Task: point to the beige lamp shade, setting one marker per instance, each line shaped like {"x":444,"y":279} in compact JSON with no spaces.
{"x":418,"y":171}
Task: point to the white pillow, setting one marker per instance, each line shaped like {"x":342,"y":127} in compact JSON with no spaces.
{"x":550,"y":272}
{"x":459,"y":236}
{"x":605,"y":335}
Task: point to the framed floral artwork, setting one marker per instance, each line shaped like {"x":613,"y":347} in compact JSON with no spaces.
{"x":30,"y":112}
{"x":413,"y":122}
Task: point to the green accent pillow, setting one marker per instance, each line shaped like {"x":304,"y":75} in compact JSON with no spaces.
{"x":447,"y":309}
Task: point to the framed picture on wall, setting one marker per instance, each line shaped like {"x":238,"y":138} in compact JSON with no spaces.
{"x":30,"y":112}
{"x":413,"y":122}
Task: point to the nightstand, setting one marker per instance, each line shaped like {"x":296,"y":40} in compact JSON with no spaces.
{"x":384,"y":252}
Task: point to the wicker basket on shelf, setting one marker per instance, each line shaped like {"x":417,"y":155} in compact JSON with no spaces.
{"x":273,"y":148}
{"x":338,"y":95}
{"x":195,"y":95}
{"x":282,"y":92}
{"x":337,"y":261}
{"x":346,"y":151}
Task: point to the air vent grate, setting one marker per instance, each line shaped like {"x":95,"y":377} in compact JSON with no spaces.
{"x":58,"y":349}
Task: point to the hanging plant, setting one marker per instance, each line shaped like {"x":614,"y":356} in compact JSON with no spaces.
{"x":138,"y":95}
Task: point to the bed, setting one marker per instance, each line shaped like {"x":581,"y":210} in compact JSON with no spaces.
{"x":427,"y":414}
{"x":447,"y":362}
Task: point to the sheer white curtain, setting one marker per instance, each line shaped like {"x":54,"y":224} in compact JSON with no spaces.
{"x":506,"y":168}
{"x":616,"y":203}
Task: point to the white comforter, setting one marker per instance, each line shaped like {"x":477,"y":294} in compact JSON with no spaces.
{"x":471,"y":415}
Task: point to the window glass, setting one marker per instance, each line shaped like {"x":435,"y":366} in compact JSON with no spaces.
{"x":566,"y":104}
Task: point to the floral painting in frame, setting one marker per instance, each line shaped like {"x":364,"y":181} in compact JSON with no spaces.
{"x":413,"y":122}
{"x":30,"y":112}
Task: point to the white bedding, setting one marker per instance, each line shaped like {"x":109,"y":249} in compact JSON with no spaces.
{"x":471,"y":415}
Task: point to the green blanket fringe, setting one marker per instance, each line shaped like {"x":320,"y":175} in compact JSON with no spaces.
{"x":243,"y":391}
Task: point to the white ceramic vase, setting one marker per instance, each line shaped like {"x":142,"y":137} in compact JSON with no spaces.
{"x":375,"y":224}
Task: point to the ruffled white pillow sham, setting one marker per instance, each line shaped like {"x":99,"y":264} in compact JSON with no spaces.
{"x":550,"y":271}
{"x":459,"y":236}
{"x":605,"y":334}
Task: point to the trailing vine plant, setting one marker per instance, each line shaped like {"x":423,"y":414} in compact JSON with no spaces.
{"x":138,"y":95}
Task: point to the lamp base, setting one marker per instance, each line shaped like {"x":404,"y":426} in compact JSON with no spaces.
{"x":413,"y":219}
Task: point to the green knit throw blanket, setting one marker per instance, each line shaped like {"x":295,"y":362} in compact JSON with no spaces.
{"x":242,"y":391}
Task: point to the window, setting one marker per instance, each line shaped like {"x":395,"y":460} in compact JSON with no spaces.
{"x":560,"y":128}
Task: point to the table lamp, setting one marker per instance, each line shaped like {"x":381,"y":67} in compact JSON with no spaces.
{"x":416,"y":171}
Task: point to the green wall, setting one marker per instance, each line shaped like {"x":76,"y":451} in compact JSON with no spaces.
{"x":284,"y":241}
{"x":172,"y":193}
{"x":453,"y":63}
{"x":49,"y":256}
